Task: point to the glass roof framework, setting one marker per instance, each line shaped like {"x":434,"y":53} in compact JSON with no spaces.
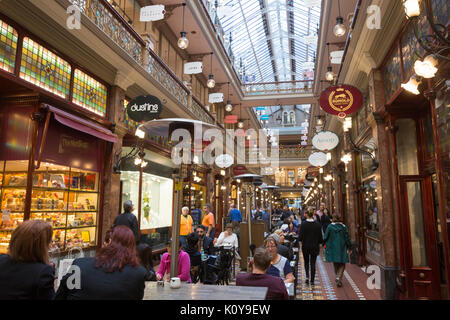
{"x":267,"y":38}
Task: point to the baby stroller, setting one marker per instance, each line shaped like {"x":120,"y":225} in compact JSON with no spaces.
{"x":223,"y":265}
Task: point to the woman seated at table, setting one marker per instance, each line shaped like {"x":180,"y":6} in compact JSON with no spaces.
{"x":283,"y":249}
{"x":227,"y":238}
{"x":184,"y":264}
{"x":114,"y":273}
{"x":279,"y":265}
{"x":292,"y":229}
{"x":145,"y":255}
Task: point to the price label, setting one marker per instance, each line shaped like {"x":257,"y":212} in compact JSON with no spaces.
{"x":6,"y":215}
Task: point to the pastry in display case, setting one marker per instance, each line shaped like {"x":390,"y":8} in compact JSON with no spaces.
{"x":65,"y":197}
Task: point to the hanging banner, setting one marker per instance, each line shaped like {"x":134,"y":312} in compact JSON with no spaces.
{"x":152,"y":13}
{"x":193,"y":67}
{"x":341,"y":100}
{"x":318,"y":159}
{"x":325,"y":141}
{"x":144,"y":108}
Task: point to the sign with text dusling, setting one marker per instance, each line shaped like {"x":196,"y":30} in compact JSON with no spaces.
{"x":144,"y":108}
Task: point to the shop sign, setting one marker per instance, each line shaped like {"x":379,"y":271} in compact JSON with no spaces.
{"x":144,"y":108}
{"x":265,"y":118}
{"x":152,"y":13}
{"x":308,"y":65}
{"x":240,"y":169}
{"x":224,"y":161}
{"x":215,"y":97}
{"x":311,"y":172}
{"x":312,"y":3}
{"x":193,"y":67}
{"x":231,"y":119}
{"x":318,"y":159}
{"x":341,"y":100}
{"x":337,"y":56}
{"x":325,"y":141}
{"x":310,"y":40}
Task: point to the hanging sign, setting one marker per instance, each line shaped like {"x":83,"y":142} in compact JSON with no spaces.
{"x":318,"y":159}
{"x":215,"y":97}
{"x":308,"y":65}
{"x":310,"y":39}
{"x":312,"y":3}
{"x":193,"y":67}
{"x":224,"y":161}
{"x":144,"y":108}
{"x":325,"y":141}
{"x":224,"y":11}
{"x":265,"y":118}
{"x":152,"y":13}
{"x":240,"y":169}
{"x":260,"y":108}
{"x":336,"y":56}
{"x":341,"y":100}
{"x":231,"y":119}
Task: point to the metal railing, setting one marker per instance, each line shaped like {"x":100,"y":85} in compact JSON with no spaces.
{"x":107,"y":19}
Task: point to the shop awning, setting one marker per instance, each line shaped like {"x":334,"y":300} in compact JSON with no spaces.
{"x":82,"y":125}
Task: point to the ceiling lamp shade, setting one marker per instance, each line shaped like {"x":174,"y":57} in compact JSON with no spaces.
{"x":412,"y":8}
{"x":183,"y":41}
{"x":427,"y":67}
{"x":412,"y":85}
{"x":228,"y":107}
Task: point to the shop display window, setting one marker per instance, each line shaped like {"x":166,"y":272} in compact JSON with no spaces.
{"x":65,"y":197}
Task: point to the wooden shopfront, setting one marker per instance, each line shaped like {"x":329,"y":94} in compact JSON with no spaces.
{"x":54,"y":141}
{"x":418,"y":147}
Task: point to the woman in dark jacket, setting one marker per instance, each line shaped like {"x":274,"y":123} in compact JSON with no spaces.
{"x":311,"y":237}
{"x":145,"y":255}
{"x":325,"y":220}
{"x":114,"y":274}
{"x":25,"y":273}
{"x":337,"y":240}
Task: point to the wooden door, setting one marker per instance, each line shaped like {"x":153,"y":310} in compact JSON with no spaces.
{"x":419,"y":238}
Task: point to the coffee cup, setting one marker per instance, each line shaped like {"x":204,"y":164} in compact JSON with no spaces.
{"x":175,"y":283}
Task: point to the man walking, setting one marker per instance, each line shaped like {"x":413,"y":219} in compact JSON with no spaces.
{"x":128,"y":219}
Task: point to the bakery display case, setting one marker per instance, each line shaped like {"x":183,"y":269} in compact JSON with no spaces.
{"x":65,"y":197}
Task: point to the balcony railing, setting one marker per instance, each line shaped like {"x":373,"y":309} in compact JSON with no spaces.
{"x":107,"y":19}
{"x":287,"y":87}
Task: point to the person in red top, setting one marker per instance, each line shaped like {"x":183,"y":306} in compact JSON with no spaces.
{"x":258,"y":278}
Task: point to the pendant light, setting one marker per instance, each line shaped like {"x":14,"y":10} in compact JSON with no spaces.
{"x":240,"y":123}
{"x":412,"y":85}
{"x":183,"y":42}
{"x":412,"y":8}
{"x":228,"y":107}
{"x":211,"y":83}
{"x":329,"y":76}
{"x":426,"y":68}
{"x":339,"y":29}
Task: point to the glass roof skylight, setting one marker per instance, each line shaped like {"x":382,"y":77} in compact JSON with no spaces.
{"x":268,"y":38}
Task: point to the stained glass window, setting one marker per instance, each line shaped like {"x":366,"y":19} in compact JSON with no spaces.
{"x":441,"y":11}
{"x":410,"y":46}
{"x":8,"y":47}
{"x":392,"y":74}
{"x":131,"y":124}
{"x":45,"y":69}
{"x":89,"y":93}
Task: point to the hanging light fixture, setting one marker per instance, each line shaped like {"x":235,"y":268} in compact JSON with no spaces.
{"x":228,"y":107}
{"x":211,"y":83}
{"x":412,"y":8}
{"x":427,"y":67}
{"x":183,"y":42}
{"x":339,"y":29}
{"x":240,"y":122}
{"x":329,"y":76}
{"x":412,"y":85}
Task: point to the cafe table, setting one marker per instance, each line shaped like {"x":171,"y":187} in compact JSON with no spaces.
{"x":199,"y":291}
